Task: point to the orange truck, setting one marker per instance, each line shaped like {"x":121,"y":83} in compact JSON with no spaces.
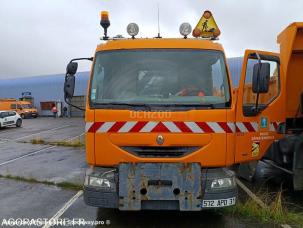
{"x":23,"y":108}
{"x":164,"y":126}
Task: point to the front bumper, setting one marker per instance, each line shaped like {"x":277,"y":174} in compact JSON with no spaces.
{"x":160,"y":186}
{"x":34,"y":114}
{"x":30,"y":114}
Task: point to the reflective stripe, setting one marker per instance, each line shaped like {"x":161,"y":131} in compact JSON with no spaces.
{"x":128,"y":126}
{"x":88,"y":126}
{"x":232,"y":127}
{"x":171,"y":127}
{"x":241,"y":127}
{"x":194,"y":127}
{"x":149,"y":126}
{"x":175,"y":127}
{"x":216,"y":127}
{"x":105,"y":127}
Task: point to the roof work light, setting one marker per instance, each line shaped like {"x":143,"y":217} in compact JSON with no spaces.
{"x":104,"y":23}
{"x":185,"y":29}
{"x":132,"y":29}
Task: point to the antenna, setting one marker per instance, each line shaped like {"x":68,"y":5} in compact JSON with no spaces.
{"x":158,"y":21}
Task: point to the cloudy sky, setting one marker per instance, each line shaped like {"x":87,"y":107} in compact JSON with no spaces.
{"x":39,"y":37}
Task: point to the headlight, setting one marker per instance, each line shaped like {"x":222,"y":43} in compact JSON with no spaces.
{"x":100,"y":178}
{"x":99,"y":182}
{"x":223,"y":183}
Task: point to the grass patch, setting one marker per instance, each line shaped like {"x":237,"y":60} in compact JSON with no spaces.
{"x":74,"y":143}
{"x":275,"y":212}
{"x":64,"y":185}
{"x":37,"y":141}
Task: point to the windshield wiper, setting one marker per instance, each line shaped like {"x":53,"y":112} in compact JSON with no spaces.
{"x":154,"y":106}
{"x":209,"y":106}
{"x":126,"y":104}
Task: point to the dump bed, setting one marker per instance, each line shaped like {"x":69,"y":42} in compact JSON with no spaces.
{"x":291,"y":55}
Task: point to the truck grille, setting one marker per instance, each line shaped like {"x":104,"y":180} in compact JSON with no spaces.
{"x":160,"y":151}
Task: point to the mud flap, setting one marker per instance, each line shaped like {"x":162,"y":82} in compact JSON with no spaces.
{"x":171,"y":186}
{"x":298,"y":164}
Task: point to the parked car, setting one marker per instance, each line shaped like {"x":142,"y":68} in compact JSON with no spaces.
{"x":9,"y":118}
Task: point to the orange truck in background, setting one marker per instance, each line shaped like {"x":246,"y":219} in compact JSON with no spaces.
{"x":165,"y":128}
{"x":23,"y":108}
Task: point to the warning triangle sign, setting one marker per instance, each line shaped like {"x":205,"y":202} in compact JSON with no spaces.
{"x":207,"y":26}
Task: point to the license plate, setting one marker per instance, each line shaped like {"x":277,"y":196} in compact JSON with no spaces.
{"x":219,"y":202}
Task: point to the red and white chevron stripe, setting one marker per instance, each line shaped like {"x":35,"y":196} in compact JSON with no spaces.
{"x":274,"y":126}
{"x":170,"y":127}
{"x":245,"y":127}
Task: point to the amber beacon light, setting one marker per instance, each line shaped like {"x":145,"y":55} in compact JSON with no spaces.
{"x":104,"y":23}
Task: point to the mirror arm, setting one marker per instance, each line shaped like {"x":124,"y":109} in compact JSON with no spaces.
{"x":77,"y":59}
{"x":69,"y":103}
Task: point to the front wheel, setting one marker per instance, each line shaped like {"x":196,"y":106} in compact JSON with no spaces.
{"x":22,"y":116}
{"x":19,"y":123}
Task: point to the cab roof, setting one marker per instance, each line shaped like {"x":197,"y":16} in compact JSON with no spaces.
{"x":159,"y":43}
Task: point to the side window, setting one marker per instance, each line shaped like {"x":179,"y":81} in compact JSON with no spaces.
{"x":97,"y":83}
{"x":13,"y":106}
{"x":18,"y":106}
{"x":218,"y":84}
{"x":249,"y":98}
{"x":11,"y":114}
{"x":4,"y":114}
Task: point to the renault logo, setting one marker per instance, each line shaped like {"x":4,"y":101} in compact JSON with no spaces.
{"x":160,"y":139}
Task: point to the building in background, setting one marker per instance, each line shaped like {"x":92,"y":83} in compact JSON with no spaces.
{"x":235,"y":66}
{"x":48,"y":89}
{"x":44,"y":89}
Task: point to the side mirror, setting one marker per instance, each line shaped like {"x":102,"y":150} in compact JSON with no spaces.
{"x":261,"y":77}
{"x":69,"y":86}
{"x":72,"y":68}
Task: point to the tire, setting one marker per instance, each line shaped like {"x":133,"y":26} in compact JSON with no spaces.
{"x":22,"y":116}
{"x":19,"y":123}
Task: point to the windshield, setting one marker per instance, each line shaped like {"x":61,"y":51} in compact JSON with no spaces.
{"x":26,"y":106}
{"x":160,"y":77}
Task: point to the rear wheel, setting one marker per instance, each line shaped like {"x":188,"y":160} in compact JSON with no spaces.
{"x":19,"y":123}
{"x":22,"y":116}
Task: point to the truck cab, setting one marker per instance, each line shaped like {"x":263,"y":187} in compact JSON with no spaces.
{"x":153,"y":108}
{"x":163,"y":123}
